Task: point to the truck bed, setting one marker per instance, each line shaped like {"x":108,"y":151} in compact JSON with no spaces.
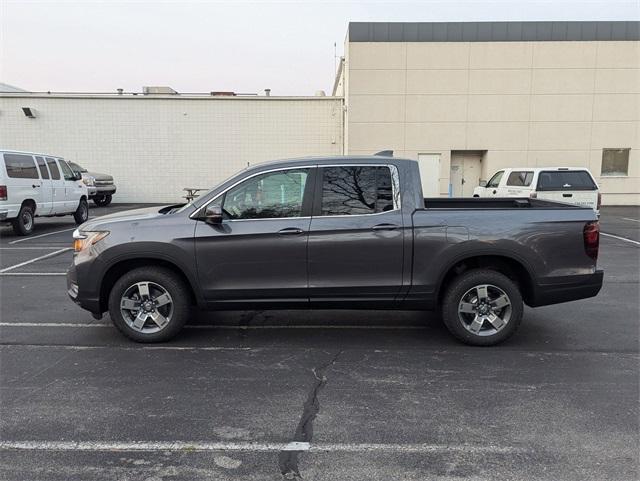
{"x":494,"y":203}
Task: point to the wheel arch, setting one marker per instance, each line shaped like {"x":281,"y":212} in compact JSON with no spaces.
{"x":515,"y":269}
{"x":31,"y":203}
{"x":122,"y":266}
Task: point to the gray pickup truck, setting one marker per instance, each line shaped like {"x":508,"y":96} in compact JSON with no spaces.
{"x":340,"y":232}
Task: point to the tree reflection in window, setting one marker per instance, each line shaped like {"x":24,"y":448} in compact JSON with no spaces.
{"x":356,"y":190}
{"x":270,"y":195}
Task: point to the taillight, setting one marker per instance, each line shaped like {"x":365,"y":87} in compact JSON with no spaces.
{"x":591,"y":235}
{"x":3,"y":192}
{"x":599,"y":201}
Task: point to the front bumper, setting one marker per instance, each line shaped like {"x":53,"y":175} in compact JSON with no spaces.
{"x":87,"y":300}
{"x":103,"y":190}
{"x":568,"y":288}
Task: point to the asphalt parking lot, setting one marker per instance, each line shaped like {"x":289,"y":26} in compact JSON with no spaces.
{"x":324,"y":395}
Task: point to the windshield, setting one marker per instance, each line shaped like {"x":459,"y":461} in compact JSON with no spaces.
{"x":76,"y":168}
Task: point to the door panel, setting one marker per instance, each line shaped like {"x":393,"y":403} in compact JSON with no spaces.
{"x":46,"y":190}
{"x":254,"y":255}
{"x":72,"y":188}
{"x":355,"y":256}
{"x":57,"y":187}
{"x":465,"y":173}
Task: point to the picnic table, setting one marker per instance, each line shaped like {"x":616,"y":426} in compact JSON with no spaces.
{"x":191,"y":193}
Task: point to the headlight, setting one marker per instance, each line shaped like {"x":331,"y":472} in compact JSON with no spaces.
{"x":89,"y":180}
{"x":84,"y":239}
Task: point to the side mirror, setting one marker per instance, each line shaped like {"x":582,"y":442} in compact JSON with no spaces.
{"x":213,"y":214}
{"x":483,"y":183}
{"x":77,"y":176}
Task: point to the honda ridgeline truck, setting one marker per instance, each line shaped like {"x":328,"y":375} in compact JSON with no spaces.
{"x":340,"y":232}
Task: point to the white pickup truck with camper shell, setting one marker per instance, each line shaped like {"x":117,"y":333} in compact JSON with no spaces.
{"x":559,"y":184}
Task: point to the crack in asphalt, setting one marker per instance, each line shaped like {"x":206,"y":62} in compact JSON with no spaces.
{"x":288,"y":460}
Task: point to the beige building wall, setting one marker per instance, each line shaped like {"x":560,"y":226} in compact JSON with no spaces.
{"x":155,"y":146}
{"x":531,"y":103}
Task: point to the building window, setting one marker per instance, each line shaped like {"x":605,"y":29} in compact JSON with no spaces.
{"x":615,"y":162}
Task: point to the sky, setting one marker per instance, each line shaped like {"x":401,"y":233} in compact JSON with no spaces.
{"x":241,"y":46}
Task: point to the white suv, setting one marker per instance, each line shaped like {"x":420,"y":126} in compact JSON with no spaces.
{"x":561,"y":184}
{"x":33,"y":185}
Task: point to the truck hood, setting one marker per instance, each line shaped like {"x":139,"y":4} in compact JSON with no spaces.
{"x":98,"y":176}
{"x":126,"y":216}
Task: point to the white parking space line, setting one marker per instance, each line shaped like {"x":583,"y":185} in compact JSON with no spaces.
{"x":31,"y":248}
{"x":152,"y":446}
{"x":4,"y":274}
{"x":36,"y":259}
{"x":241,"y":327}
{"x":629,"y":218}
{"x":631,"y":241}
{"x":40,"y":235}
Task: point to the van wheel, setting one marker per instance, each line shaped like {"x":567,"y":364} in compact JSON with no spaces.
{"x":81,"y":215}
{"x":23,"y":224}
{"x":149,"y":304}
{"x":482,"y":307}
{"x":103,"y":200}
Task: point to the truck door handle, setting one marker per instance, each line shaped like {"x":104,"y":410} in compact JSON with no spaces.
{"x":567,"y":195}
{"x":34,"y":185}
{"x":385,"y":227}
{"x":495,"y":191}
{"x":290,"y":231}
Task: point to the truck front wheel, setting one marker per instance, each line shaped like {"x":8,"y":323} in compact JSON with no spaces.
{"x":482,"y":307}
{"x":149,"y":304}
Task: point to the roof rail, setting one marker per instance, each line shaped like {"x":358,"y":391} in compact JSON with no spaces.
{"x":384,"y":153}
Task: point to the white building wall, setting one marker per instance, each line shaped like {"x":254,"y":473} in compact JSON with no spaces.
{"x":155,"y":146}
{"x":546,"y":103}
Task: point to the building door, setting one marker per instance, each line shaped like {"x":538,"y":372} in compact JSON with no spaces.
{"x":465,"y":172}
{"x":430,"y":174}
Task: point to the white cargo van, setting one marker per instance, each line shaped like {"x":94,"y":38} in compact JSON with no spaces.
{"x":33,"y":185}
{"x":561,"y":184}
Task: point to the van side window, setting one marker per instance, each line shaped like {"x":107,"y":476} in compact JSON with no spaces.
{"x":20,"y":166}
{"x":66,"y":170}
{"x":42,"y":167}
{"x":495,"y":180}
{"x":53,"y":167}
{"x":355,"y":190}
{"x":520,"y":179}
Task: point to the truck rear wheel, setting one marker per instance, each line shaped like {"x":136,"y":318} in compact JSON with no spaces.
{"x":482,"y":307}
{"x":149,"y":304}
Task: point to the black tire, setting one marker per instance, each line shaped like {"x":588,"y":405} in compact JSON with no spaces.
{"x":24,"y":223}
{"x":81,"y":215}
{"x":460,"y":323}
{"x":157,"y":276}
{"x":103,"y":200}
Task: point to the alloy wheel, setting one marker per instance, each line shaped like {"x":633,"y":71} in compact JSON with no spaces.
{"x":484,"y":310}
{"x":146,"y":307}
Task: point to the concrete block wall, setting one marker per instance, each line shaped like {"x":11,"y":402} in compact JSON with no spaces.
{"x":156,"y":145}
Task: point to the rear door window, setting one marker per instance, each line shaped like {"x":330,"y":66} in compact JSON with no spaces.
{"x":356,"y":190}
{"x":53,"y":167}
{"x":520,"y":178}
{"x":42,"y":167}
{"x":20,"y":166}
{"x":565,"y":180}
